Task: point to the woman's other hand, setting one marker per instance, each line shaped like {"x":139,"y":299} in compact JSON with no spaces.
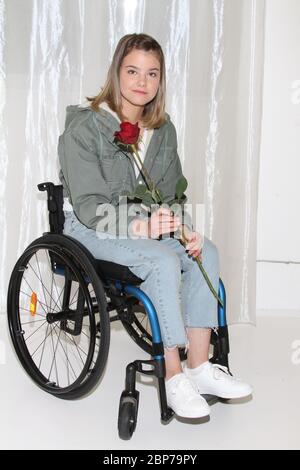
{"x":194,"y":242}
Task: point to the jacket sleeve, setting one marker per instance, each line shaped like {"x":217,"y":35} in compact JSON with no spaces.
{"x":88,"y":191}
{"x":172,"y":174}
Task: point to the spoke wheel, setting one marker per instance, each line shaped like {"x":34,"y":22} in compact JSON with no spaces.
{"x":54,"y":305}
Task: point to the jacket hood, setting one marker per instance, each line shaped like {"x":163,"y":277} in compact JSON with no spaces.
{"x":72,"y":112}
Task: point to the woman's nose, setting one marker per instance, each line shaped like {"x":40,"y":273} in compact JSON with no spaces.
{"x":142,"y":80}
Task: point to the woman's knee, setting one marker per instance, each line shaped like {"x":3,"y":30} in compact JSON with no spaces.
{"x":167,"y":259}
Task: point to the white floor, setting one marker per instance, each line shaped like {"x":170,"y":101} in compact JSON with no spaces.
{"x":262,"y":355}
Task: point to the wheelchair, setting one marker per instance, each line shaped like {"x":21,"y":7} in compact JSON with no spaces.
{"x":60,"y":304}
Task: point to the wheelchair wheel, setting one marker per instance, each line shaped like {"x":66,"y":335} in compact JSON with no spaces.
{"x":137,"y":325}
{"x":55,"y":301}
{"x":127,"y":418}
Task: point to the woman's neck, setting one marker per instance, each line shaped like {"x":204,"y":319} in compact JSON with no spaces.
{"x":133,"y":114}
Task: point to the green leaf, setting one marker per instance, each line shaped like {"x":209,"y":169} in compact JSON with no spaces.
{"x":147,"y":199}
{"x":134,"y":196}
{"x":183,"y":199}
{"x":140,"y":190}
{"x":126,"y":193}
{"x":181,"y":186}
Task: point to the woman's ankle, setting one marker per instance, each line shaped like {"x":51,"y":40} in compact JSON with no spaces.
{"x":172,"y":362}
{"x":171,"y":374}
{"x":194,"y":363}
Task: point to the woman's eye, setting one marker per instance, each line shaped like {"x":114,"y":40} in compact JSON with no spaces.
{"x":153,"y":74}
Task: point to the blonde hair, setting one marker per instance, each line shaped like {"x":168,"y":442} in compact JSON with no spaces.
{"x":154,"y":112}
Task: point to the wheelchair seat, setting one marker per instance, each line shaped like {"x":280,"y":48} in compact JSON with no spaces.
{"x":105,"y":269}
{"x":116,"y":272}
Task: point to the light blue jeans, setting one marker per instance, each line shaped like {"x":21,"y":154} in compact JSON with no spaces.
{"x":181,"y":299}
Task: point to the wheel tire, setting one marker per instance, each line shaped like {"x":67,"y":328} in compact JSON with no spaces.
{"x":79,"y":264}
{"x":127,"y":419}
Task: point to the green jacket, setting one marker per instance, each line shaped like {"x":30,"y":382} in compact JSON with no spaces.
{"x":95,"y":172}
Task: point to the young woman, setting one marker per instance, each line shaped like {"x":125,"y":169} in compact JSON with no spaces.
{"x":94,"y":172}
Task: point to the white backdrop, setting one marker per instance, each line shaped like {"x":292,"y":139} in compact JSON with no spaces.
{"x":278,"y":248}
{"x":55,"y":52}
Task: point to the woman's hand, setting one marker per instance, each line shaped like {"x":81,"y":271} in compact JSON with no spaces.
{"x":194,"y":242}
{"x":161,"y":221}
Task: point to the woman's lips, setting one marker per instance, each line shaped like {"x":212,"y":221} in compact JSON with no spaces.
{"x":141,"y":92}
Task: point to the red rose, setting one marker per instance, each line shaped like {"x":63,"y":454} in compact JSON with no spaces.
{"x":129,"y":133}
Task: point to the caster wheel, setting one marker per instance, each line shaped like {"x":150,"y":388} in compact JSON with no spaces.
{"x":127,"y":419}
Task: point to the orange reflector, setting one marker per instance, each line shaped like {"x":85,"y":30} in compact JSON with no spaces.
{"x":33,"y":302}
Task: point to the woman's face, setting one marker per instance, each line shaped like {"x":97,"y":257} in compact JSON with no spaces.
{"x":139,"y":77}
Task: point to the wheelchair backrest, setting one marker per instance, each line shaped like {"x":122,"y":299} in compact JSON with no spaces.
{"x":55,"y":201}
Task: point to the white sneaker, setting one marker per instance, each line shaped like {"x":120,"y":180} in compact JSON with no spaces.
{"x":213,"y":379}
{"x":183,"y":398}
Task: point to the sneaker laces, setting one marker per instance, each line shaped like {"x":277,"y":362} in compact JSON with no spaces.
{"x":186,"y":386}
{"x":219,"y":370}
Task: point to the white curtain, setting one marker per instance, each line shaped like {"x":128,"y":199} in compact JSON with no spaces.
{"x":56,"y":52}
